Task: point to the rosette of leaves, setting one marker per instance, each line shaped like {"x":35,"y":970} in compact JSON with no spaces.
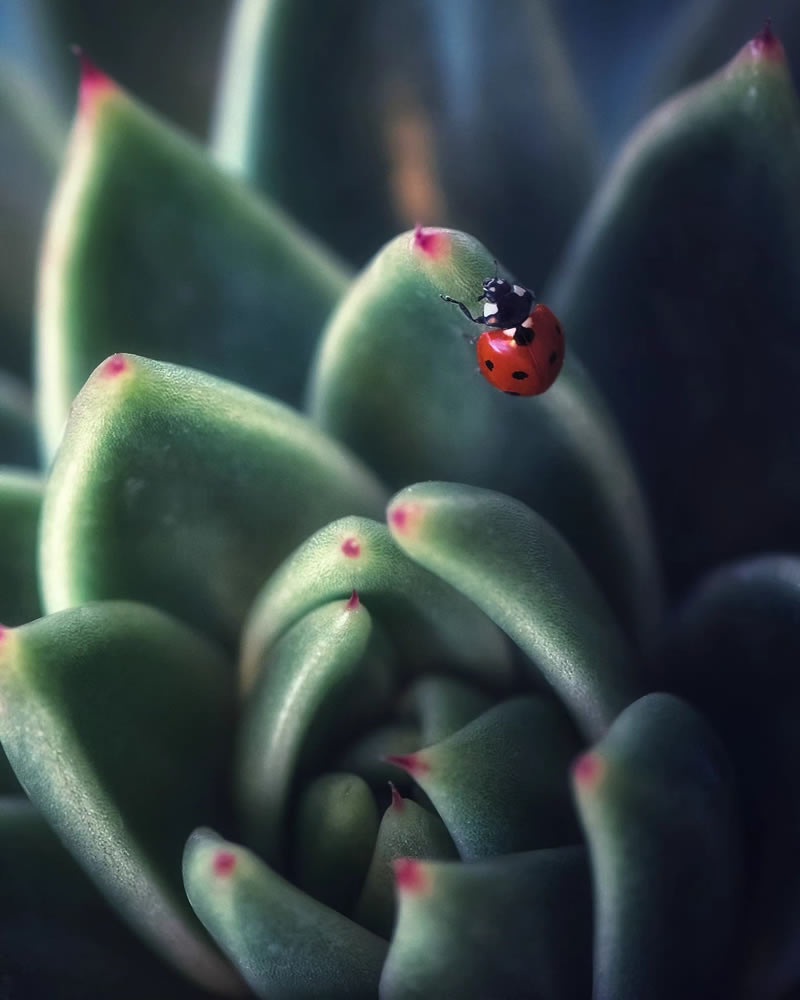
{"x":326,"y":669}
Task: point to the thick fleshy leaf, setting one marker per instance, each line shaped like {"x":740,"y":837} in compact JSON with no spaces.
{"x":319,"y":679}
{"x":117,"y":720}
{"x":58,"y":936}
{"x":443,"y":705}
{"x":522,"y":573}
{"x":657,"y":801}
{"x":395,"y":380}
{"x":513,"y":926}
{"x":406,"y":831}
{"x":185,"y":491}
{"x":685,"y":257}
{"x":277,"y":112}
{"x":18,"y":445}
{"x":31,"y":139}
{"x":334,"y":835}
{"x":20,"y":503}
{"x":150,"y":249}
{"x":428,"y":621}
{"x":500,"y":783}
{"x":733,"y":651}
{"x":284,"y":943}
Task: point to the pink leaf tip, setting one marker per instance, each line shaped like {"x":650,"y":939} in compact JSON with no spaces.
{"x":3,"y":632}
{"x":354,"y":603}
{"x":434,"y":243}
{"x":224,"y":863}
{"x":588,"y":770}
{"x":411,"y":763}
{"x":115,"y":365}
{"x":93,"y":80}
{"x":398,"y":802}
{"x":351,"y":548}
{"x":404,"y":518}
{"x":410,"y":876}
{"x":765,"y":45}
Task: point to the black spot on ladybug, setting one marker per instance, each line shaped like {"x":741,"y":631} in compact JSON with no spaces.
{"x":508,"y":392}
{"x":553,"y":357}
{"x":519,"y":376}
{"x":489,"y":365}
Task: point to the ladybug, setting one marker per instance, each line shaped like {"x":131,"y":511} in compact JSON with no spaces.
{"x":523,"y":351}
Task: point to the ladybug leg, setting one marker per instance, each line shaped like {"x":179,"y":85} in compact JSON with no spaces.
{"x":473,"y":319}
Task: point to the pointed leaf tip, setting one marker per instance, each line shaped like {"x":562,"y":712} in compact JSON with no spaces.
{"x":433,"y":243}
{"x":351,"y":547}
{"x":397,"y":799}
{"x":410,"y":876}
{"x":411,"y":763}
{"x":93,"y":80}
{"x":588,"y":770}
{"x":404,"y":518}
{"x":115,"y":365}
{"x":354,"y":603}
{"x":763,"y":46}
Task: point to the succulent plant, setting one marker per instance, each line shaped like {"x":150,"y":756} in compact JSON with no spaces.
{"x":325,"y":668}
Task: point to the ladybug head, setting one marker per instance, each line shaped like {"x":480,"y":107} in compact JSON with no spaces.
{"x":494,"y":289}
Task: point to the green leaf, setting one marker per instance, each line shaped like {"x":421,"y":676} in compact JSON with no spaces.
{"x":513,"y":926}
{"x":17,"y":428}
{"x":335,"y":830}
{"x":521,"y":572}
{"x":657,"y":801}
{"x":500,"y":783}
{"x":395,"y":380}
{"x":117,"y":721}
{"x":277,"y":113}
{"x":20,"y":504}
{"x":684,"y":262}
{"x":319,"y":679}
{"x":284,"y":943}
{"x":58,"y":936}
{"x":150,"y":249}
{"x":406,"y":831}
{"x":733,"y":652}
{"x":443,"y":705}
{"x":31,"y":140}
{"x":185,"y":491}
{"x":428,"y":621}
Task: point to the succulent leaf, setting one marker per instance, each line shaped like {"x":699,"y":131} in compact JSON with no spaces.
{"x":90,"y":726}
{"x":20,"y":504}
{"x":500,"y":783}
{"x":58,"y":936}
{"x":395,"y":380}
{"x":733,"y":650}
{"x":511,"y":926}
{"x":318,"y":679}
{"x":406,"y":831}
{"x":184,"y":490}
{"x":149,"y":249}
{"x":429,"y":622}
{"x":684,"y":261}
{"x":283,"y":942}
{"x":522,"y":573}
{"x":334,"y":835}
{"x":657,"y":802}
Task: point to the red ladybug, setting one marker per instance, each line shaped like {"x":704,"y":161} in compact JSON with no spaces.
{"x":523,"y":352}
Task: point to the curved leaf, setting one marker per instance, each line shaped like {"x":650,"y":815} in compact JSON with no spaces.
{"x":266,"y":927}
{"x":428,"y":621}
{"x":89,"y":723}
{"x":513,"y":926}
{"x":519,"y":570}
{"x":657,"y":801}
{"x":149,"y":249}
{"x":335,"y":830}
{"x":500,"y":783}
{"x":20,"y":504}
{"x":185,"y":491}
{"x":395,"y":380}
{"x":686,"y":255}
{"x":318,"y":679}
